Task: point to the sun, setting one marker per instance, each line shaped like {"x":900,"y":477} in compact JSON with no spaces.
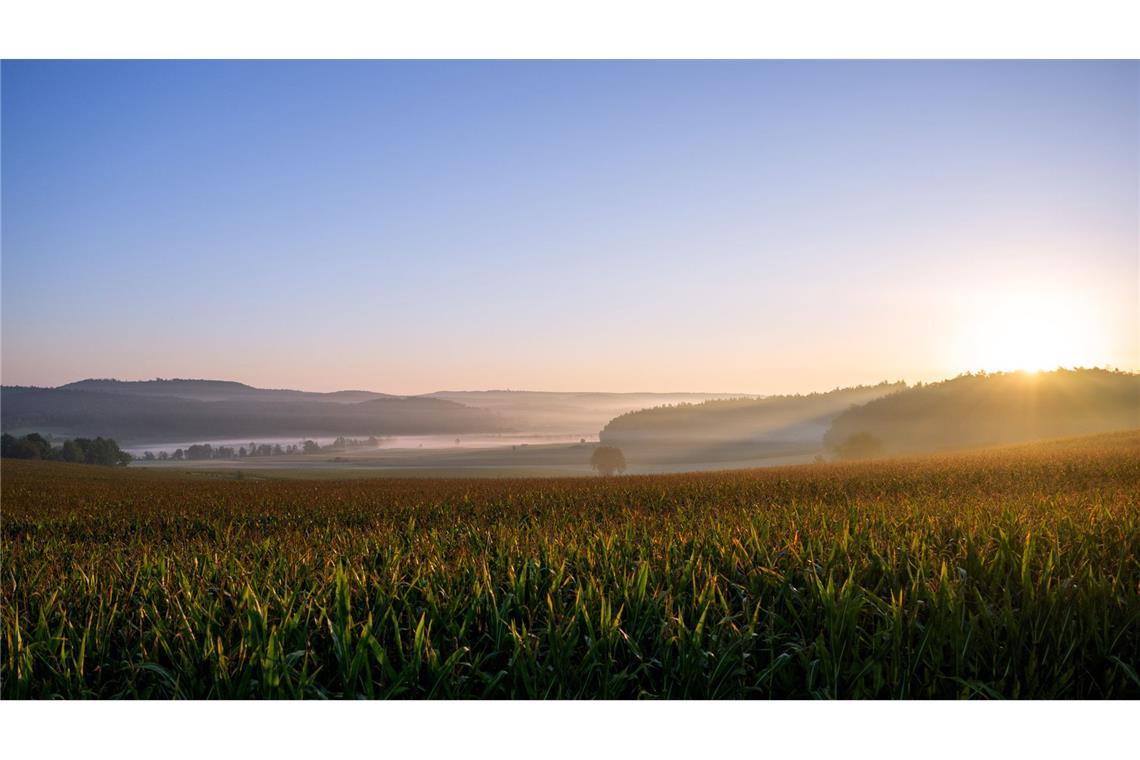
{"x":1028,"y":332}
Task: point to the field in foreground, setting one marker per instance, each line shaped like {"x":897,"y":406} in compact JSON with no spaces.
{"x":1007,"y":573}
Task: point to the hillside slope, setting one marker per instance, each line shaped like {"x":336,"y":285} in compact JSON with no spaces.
{"x":989,"y":409}
{"x":736,"y":428}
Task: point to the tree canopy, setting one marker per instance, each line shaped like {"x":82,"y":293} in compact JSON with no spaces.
{"x":103,"y":451}
{"x":608,"y":460}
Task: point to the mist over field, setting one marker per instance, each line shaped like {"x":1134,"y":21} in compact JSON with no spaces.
{"x":568,"y":412}
{"x":217,"y":424}
{"x":157,"y":410}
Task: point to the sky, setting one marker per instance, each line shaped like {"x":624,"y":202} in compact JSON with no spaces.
{"x":407,"y":227}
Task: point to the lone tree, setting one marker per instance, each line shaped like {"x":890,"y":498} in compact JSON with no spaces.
{"x":608,"y":460}
{"x":860,"y":446}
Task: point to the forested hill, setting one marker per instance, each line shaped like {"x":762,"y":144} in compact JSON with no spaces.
{"x":203,"y":410}
{"x":798,"y":417}
{"x":988,"y":409}
{"x":214,"y":390}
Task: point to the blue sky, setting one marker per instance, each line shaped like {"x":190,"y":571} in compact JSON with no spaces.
{"x":412,"y":226}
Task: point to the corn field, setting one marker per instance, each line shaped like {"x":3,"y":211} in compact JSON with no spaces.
{"x":1011,"y":573}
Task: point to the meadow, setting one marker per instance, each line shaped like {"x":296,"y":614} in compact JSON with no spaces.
{"x":1004,"y":573}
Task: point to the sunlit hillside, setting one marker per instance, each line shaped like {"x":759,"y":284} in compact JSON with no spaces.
{"x":988,"y":409}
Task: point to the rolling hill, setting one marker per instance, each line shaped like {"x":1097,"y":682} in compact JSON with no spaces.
{"x":166,"y":410}
{"x":989,"y":409}
{"x":736,"y":429}
{"x":215,"y":390}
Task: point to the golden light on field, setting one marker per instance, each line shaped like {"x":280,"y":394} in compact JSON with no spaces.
{"x":1028,"y":331}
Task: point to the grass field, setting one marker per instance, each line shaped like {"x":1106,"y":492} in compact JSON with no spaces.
{"x":1011,"y":573}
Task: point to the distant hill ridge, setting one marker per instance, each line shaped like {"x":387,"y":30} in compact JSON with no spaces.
{"x":211,"y":389}
{"x":101,"y":383}
{"x":165,"y":410}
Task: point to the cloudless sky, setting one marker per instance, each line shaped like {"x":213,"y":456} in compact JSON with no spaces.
{"x":415,"y":226}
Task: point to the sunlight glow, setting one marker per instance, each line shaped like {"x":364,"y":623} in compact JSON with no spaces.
{"x":1028,"y":331}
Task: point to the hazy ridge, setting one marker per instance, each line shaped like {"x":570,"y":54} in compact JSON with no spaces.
{"x":188,"y":410}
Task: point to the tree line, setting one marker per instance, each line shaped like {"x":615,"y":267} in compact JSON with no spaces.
{"x":104,"y":451}
{"x":200,"y":451}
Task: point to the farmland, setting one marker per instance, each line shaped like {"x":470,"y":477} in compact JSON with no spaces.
{"x":1002,"y":573}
